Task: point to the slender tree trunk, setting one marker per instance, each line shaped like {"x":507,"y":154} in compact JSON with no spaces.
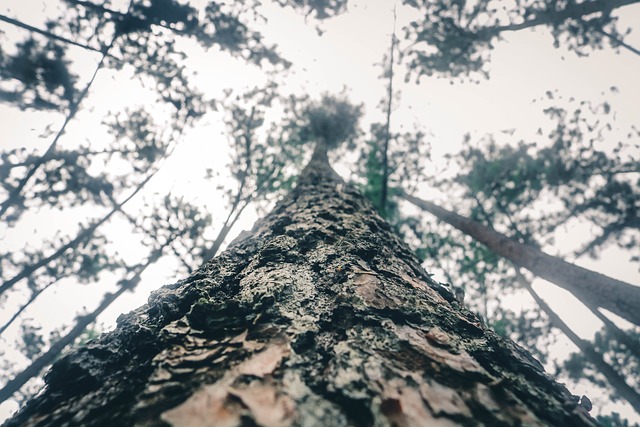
{"x":15,"y":196}
{"x":616,"y":381}
{"x":387,"y":127}
{"x":594,"y":289}
{"x":320,"y":316}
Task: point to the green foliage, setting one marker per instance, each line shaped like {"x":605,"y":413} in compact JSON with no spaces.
{"x":455,"y":37}
{"x":32,"y":341}
{"x":172,"y":225}
{"x":407,"y":156}
{"x":137,"y":138}
{"x":63,"y":180}
{"x":262,"y":152}
{"x":333,"y":120}
{"x":373,"y":175}
{"x":588,"y":183}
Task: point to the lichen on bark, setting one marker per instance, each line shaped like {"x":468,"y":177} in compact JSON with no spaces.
{"x":320,"y":316}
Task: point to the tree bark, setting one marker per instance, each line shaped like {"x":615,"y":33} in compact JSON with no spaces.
{"x":594,"y":289}
{"x":320,"y":316}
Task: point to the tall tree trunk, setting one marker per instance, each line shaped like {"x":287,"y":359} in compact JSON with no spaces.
{"x":319,"y":316}
{"x":594,"y":289}
{"x":615,"y":380}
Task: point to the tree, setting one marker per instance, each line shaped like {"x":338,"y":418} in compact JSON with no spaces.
{"x":319,"y":313}
{"x":36,"y":72}
{"x":597,"y":290}
{"x":148,"y":16}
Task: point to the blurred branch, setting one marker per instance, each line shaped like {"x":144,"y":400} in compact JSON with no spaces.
{"x":82,"y":323}
{"x":620,"y":335}
{"x":14,"y":195}
{"x":31,"y":299}
{"x":133,"y":221}
{"x":62,"y":155}
{"x":571,"y":11}
{"x":233,"y":218}
{"x":385,"y":149}
{"x":604,"y":236}
{"x":51,"y":36}
{"x":234,"y":214}
{"x":82,"y":236}
{"x":210,"y":252}
{"x":124,"y":15}
{"x":617,"y":42}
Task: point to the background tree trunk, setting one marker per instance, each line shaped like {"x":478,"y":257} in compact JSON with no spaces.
{"x":319,"y":316}
{"x":590,"y":287}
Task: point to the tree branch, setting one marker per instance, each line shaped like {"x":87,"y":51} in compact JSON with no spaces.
{"x":210,"y":252}
{"x":575,"y":10}
{"x":14,"y":194}
{"x":618,"y":42}
{"x":50,"y":355}
{"x":51,"y":36}
{"x":385,"y":149}
{"x":23,"y":307}
{"x":83,"y":235}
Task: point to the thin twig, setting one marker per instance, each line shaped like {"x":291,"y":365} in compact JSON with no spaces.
{"x":82,"y":236}
{"x":385,"y":149}
{"x":619,"y":42}
{"x":211,"y":251}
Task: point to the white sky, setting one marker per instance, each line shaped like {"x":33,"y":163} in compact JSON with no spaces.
{"x":523,"y":68}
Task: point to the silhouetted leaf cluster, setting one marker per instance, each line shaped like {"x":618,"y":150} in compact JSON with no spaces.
{"x":321,"y":9}
{"x":455,"y":37}
{"x":42,"y":74}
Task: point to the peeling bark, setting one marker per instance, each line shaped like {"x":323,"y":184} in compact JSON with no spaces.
{"x":320,"y":316}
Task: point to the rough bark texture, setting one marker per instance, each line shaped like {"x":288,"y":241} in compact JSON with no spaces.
{"x":320,"y":316}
